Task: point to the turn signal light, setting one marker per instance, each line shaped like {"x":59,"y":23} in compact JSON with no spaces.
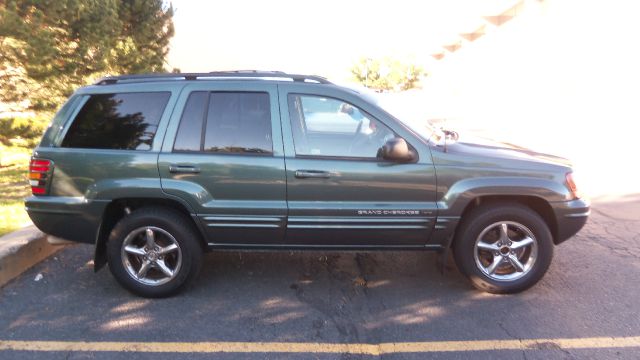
{"x":571,"y":185}
{"x":39,"y":170}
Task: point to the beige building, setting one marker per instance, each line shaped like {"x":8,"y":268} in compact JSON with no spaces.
{"x":556,"y":75}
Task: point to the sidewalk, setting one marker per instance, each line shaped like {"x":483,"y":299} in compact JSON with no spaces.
{"x":21,"y":250}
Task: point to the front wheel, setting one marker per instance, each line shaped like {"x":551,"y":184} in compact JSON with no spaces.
{"x":503,"y":248}
{"x":154,"y":252}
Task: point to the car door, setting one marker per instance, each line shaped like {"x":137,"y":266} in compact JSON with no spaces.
{"x":339,"y":192}
{"x":223,"y":155}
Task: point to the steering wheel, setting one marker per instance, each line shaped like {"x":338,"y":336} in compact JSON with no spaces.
{"x":367,"y":143}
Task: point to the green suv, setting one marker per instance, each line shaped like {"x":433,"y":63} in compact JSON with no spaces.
{"x":155,"y":170}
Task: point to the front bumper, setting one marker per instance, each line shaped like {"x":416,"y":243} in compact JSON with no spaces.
{"x":571,"y":216}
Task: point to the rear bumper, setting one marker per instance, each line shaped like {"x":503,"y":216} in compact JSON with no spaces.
{"x":71,"y":218}
{"x":571,"y":216}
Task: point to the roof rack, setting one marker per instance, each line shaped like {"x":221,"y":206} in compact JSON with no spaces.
{"x":243,"y":74}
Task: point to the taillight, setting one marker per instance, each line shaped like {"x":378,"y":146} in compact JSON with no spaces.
{"x":39,"y":173}
{"x":571,"y":185}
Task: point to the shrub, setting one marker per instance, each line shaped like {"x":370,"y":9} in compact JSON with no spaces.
{"x":28,"y":129}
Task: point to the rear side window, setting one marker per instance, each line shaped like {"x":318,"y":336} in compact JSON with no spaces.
{"x":231,"y":122}
{"x":125,"y":121}
{"x":51,"y":136}
{"x":189,"y":136}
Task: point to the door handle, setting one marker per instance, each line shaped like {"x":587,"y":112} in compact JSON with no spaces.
{"x":318,"y":174}
{"x":184,"y":169}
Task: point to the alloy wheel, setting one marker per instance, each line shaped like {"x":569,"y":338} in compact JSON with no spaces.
{"x":151,"y":255}
{"x":505,"y":251}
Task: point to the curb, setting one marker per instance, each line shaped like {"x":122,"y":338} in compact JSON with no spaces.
{"x":22,"y":249}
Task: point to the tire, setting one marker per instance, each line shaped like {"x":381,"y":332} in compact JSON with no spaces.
{"x":486,"y":257}
{"x":173,"y":256}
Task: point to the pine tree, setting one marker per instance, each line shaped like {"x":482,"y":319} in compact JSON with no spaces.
{"x":143,"y":42}
{"x":50,"y":47}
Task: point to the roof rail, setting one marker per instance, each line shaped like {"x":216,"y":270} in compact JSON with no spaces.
{"x":248,"y":74}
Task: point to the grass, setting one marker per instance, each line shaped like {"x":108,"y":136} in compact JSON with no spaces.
{"x":14,"y":187}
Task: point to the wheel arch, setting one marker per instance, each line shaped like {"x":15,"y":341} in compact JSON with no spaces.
{"x":119,"y":208}
{"x":467,"y":194}
{"x":535,"y":203}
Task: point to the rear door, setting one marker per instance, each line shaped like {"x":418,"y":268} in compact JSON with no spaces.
{"x":340,"y":193}
{"x":223,"y":155}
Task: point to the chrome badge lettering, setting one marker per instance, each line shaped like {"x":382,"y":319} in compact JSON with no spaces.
{"x":388,"y":212}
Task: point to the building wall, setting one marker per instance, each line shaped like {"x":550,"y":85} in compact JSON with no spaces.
{"x":561,"y":76}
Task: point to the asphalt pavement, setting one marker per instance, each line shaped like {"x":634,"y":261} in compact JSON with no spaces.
{"x":257,"y":299}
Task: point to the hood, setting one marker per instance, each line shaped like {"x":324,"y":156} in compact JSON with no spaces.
{"x":488,"y":148}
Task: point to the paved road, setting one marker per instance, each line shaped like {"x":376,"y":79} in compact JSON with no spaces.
{"x":591,"y":290}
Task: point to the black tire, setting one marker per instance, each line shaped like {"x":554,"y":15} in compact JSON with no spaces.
{"x":487,"y":221}
{"x":186,"y":259}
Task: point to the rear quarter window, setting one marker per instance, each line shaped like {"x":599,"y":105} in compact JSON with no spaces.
{"x":52,"y":135}
{"x":125,"y":121}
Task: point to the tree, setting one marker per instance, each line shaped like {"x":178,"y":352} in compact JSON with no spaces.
{"x":387,"y":74}
{"x":144,"y":40}
{"x":50,"y":47}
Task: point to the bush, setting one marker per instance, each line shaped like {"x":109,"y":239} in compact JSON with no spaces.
{"x":388,"y":74}
{"x":28,"y":129}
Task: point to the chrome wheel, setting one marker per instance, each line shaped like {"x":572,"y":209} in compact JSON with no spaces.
{"x":505,"y":251}
{"x":151,"y":255}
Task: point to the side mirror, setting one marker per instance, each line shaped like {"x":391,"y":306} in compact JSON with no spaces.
{"x":396,"y":149}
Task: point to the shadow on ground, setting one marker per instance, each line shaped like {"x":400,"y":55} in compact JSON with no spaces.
{"x":367,"y":297}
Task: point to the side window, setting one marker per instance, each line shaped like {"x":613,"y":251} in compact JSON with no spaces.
{"x":52,"y":135}
{"x":231,"y":122}
{"x":189,"y":137}
{"x":330,"y":127}
{"x":126,"y":121}
{"x":238,"y":122}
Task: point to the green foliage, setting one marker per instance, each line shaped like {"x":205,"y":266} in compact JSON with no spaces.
{"x":29,"y":128}
{"x":12,"y":216}
{"x":387,"y":74}
{"x":143,"y":42}
{"x":15,"y":187}
{"x":50,"y":47}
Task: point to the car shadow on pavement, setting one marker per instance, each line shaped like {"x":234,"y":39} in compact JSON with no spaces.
{"x":346,"y":297}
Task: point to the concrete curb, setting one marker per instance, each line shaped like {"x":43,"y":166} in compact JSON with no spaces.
{"x":22,"y":249}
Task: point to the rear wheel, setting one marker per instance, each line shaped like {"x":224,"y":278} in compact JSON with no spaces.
{"x":154,"y":252}
{"x":503,"y":248}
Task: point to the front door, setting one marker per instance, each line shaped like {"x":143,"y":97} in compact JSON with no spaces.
{"x":223,"y":155}
{"x":339,"y":191}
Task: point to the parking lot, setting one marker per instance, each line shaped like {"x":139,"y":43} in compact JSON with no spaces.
{"x":340,"y":305}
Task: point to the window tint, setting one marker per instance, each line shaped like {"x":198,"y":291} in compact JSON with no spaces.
{"x":330,"y":127}
{"x":117,"y":121}
{"x":238,"y":122}
{"x":189,"y":135}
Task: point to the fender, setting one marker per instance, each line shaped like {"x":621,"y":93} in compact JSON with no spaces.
{"x":463,"y":192}
{"x":134,"y":189}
